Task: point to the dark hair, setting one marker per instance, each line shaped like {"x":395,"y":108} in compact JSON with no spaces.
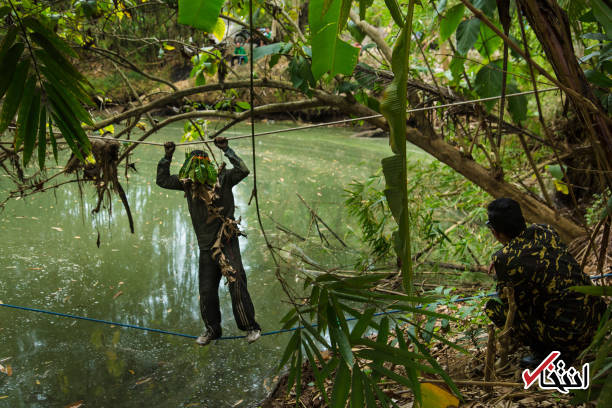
{"x":199,"y":153}
{"x":505,"y":216}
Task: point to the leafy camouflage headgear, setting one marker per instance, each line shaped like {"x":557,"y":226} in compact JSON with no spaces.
{"x":198,"y":168}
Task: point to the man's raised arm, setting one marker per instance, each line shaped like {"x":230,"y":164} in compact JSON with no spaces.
{"x":240,"y":170}
{"x":164,"y":178}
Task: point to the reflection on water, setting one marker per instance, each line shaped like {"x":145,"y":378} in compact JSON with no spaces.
{"x":49,"y":260}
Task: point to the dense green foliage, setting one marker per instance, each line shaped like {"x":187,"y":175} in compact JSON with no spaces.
{"x":477,"y":49}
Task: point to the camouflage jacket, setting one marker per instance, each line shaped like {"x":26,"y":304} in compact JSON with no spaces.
{"x":206,"y":229}
{"x":540,"y":269}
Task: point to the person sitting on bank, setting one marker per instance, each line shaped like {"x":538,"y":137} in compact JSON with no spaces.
{"x":240,"y":55}
{"x":211,"y":205}
{"x":537,"y":265}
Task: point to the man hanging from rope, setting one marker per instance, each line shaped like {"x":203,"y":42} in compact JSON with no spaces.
{"x":537,"y":265}
{"x":211,"y":205}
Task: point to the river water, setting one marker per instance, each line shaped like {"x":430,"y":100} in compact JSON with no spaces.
{"x":49,"y":260}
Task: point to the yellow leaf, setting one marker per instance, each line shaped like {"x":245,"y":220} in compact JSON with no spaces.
{"x":109,"y":129}
{"x":168,"y":47}
{"x":120,"y":15}
{"x":219,"y":30}
{"x":141,"y":126}
{"x":437,"y":397}
{"x":561,"y":186}
{"x":90,"y":159}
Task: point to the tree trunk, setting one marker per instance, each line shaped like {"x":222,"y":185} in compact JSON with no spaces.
{"x":551,"y":26}
{"x":425,"y":137}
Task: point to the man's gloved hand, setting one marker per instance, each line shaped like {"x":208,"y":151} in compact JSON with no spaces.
{"x":221,"y":143}
{"x":169,"y":147}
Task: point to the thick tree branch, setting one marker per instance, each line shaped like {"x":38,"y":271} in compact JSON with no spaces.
{"x":163,"y":101}
{"x":425,"y":137}
{"x":375,"y":35}
{"x":236,"y":117}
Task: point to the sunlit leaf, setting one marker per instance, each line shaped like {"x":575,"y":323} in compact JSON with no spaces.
{"x":201,"y":14}
{"x":219,"y":29}
{"x":437,"y":397}
{"x":109,"y":129}
{"x":450,"y":21}
{"x":329,"y":52}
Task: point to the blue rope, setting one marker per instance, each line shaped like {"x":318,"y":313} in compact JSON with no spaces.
{"x":133,"y":326}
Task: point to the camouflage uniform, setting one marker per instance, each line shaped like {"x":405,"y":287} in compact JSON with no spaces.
{"x":549,"y":315}
{"x":206,"y":232}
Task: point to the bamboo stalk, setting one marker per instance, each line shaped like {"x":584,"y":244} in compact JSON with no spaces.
{"x":504,"y":337}
{"x":490,"y":360}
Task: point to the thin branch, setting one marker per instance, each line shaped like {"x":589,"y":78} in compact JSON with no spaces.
{"x":480,"y":15}
{"x":128,"y":64}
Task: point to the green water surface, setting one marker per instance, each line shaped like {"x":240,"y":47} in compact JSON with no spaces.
{"x":49,"y":260}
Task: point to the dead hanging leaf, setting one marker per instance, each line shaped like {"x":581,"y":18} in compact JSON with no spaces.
{"x":237,"y":403}
{"x":57,"y":229}
{"x":75,"y":404}
{"x":118,"y":294}
{"x":98,"y":240}
{"x":437,"y":397}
